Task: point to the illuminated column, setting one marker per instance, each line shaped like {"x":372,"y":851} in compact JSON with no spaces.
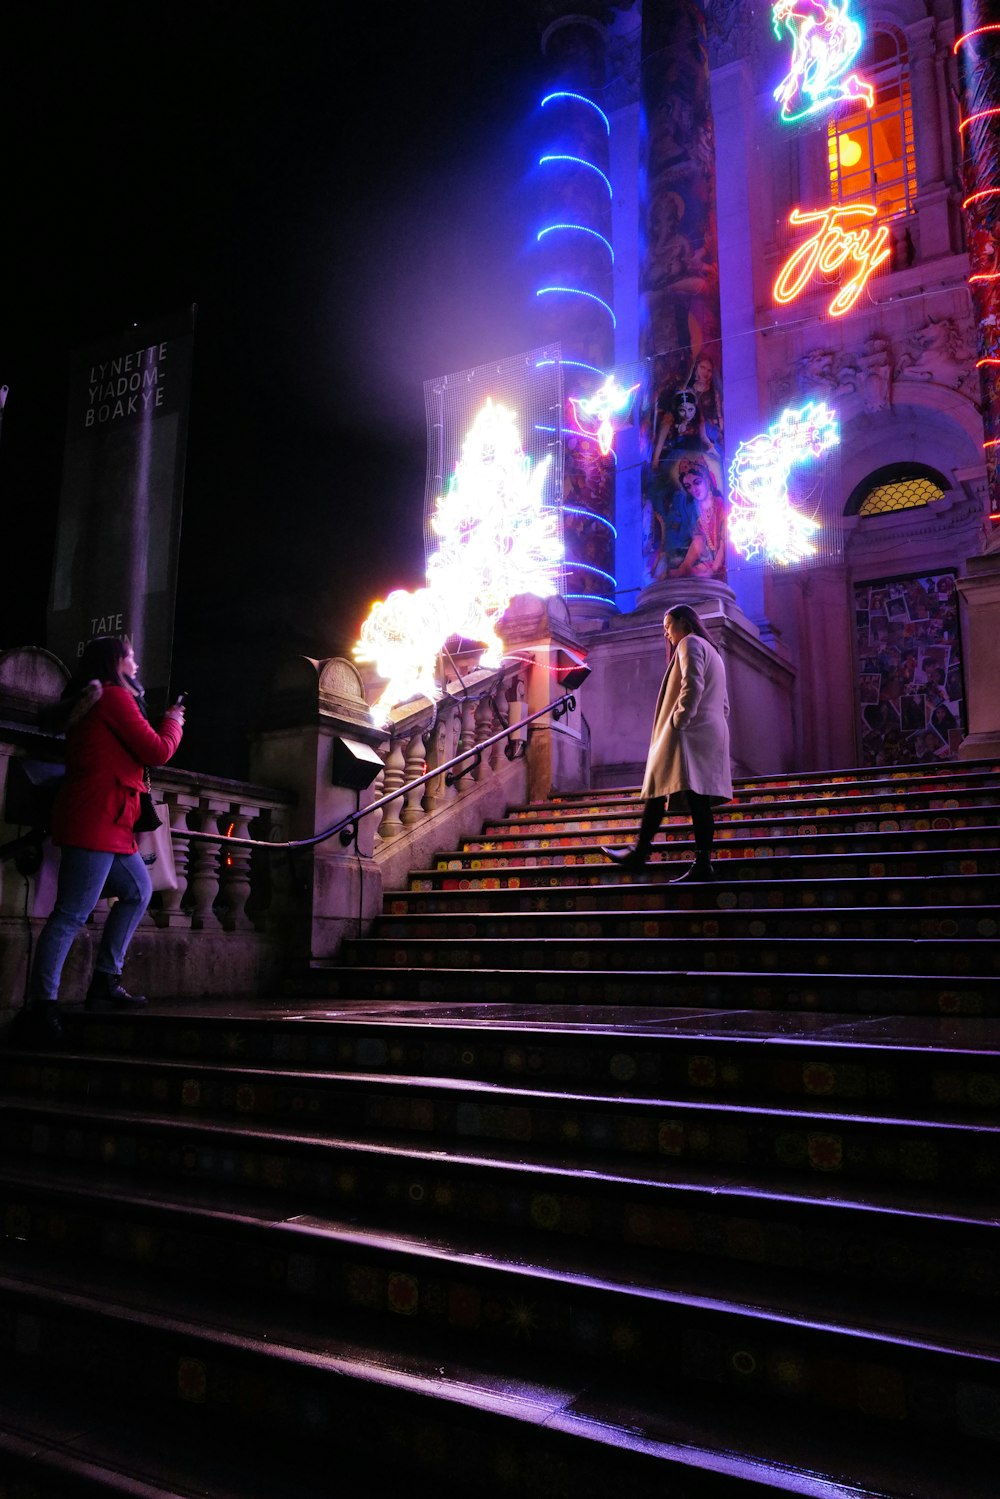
{"x":684,"y":520}
{"x":978,"y":51}
{"x":574,"y":292}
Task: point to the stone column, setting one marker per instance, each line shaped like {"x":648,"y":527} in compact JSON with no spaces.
{"x":684,"y":488}
{"x":575,"y":290}
{"x":980,"y":592}
{"x":978,"y":50}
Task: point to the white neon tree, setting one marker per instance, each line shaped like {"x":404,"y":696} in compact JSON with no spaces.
{"x":497,"y":540}
{"x":762,"y":519}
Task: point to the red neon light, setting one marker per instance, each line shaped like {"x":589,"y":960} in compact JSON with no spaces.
{"x":982,"y":114}
{"x":981,"y":362}
{"x":985,"y":276}
{"x":987,"y":192}
{"x":977,"y":32}
{"x":829,"y":249}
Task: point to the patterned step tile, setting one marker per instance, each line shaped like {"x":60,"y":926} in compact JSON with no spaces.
{"x":862,"y":994}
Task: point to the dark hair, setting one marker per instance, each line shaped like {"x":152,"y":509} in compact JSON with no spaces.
{"x":684,"y":615}
{"x":101,"y":660}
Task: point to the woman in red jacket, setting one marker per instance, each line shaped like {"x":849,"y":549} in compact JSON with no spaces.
{"x":108,"y":746}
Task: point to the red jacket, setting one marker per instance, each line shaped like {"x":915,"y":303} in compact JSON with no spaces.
{"x":106,"y":755}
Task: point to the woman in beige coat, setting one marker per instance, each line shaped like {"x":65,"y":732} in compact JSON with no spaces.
{"x":687,"y":766}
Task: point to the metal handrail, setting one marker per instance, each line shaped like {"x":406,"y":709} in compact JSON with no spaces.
{"x":347,"y":827}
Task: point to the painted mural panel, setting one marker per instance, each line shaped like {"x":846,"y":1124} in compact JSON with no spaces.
{"x":911,"y":699}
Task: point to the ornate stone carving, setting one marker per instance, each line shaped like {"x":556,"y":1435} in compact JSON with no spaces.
{"x":942,"y":351}
{"x":734,"y":31}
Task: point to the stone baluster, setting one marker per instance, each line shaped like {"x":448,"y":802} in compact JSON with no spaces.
{"x":467,"y":735}
{"x":234,"y":869}
{"x":412,"y":809}
{"x":203,"y":868}
{"x":453,"y":723}
{"x":178,"y":805}
{"x":377,"y":792}
{"x":484,"y":727}
{"x":393,"y":777}
{"x":437,"y":752}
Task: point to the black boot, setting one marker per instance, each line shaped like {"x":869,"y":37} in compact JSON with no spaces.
{"x":106,"y":992}
{"x":635,"y":858}
{"x":701,"y":869}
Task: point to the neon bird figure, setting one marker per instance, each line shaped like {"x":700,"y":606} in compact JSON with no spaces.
{"x":825,"y":41}
{"x":593,"y":414}
{"x":762,"y":518}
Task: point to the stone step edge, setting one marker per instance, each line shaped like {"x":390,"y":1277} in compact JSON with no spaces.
{"x":556,"y":1271}
{"x":642,"y":1436}
{"x":609,"y":1169}
{"x":485,"y":1093}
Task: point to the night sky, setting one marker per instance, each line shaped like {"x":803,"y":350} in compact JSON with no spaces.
{"x":343,"y":196}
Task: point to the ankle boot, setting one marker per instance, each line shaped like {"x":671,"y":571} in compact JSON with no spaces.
{"x":701,"y":869}
{"x":107,"y":992}
{"x":635,"y":858}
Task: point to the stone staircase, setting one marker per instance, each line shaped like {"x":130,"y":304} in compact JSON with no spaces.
{"x":563,"y":1181}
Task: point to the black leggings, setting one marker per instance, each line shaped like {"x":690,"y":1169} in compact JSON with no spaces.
{"x":702,"y":820}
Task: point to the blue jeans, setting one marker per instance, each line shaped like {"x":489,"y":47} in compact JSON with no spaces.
{"x":84,"y":875}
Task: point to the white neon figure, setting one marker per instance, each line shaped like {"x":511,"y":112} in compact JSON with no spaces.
{"x":593,"y":414}
{"x":497,"y":540}
{"x":825,"y":41}
{"x":762,"y":519}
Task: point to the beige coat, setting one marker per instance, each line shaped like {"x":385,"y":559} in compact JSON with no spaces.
{"x":689,"y":745}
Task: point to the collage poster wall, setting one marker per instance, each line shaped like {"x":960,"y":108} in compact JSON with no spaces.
{"x":910,"y":693}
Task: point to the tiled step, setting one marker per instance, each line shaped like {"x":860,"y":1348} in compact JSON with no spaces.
{"x":575,"y":1301}
{"x":201,"y":1113}
{"x":881,"y":1249}
{"x":830,"y":893}
{"x":773,"y":954}
{"x":711,"y":989}
{"x":510,"y":839}
{"x":318,"y":1386}
{"x":897,"y":923}
{"x":734,"y":1056}
{"x":943,"y":854}
{"x":883,"y":1081}
{"x":837,"y":782}
{"x":625,"y":813}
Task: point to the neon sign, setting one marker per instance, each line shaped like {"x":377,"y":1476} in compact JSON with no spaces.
{"x":497,"y":539}
{"x":825,"y":41}
{"x":594,"y":414}
{"x":832,"y":247}
{"x":762,"y":519}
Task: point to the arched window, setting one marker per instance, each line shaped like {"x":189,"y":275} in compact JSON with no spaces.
{"x":871,"y":150}
{"x":898,"y":486}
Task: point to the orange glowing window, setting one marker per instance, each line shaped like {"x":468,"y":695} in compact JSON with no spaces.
{"x":870,"y":151}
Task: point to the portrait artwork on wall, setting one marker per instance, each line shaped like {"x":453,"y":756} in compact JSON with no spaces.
{"x":910,"y":694}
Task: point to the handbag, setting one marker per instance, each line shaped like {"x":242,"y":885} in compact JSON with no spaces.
{"x":156,"y":849}
{"x":148,"y":818}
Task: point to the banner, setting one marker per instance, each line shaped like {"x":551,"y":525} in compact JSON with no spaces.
{"x":118,"y":534}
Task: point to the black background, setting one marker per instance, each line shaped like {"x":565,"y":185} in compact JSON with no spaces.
{"x":343,"y":194}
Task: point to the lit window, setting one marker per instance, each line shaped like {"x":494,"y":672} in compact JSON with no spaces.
{"x":899,"y":486}
{"x":871,"y":150}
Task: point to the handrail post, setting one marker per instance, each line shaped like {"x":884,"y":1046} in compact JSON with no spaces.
{"x":315,"y":708}
{"x":541,"y":633}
